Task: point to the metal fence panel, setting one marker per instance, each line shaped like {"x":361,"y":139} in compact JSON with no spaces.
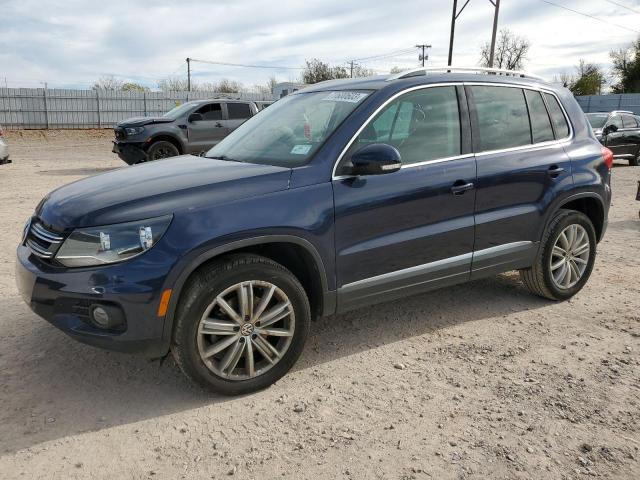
{"x":607,"y":103}
{"x":36,"y":108}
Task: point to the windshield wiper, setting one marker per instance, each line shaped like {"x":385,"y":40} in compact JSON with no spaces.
{"x":225,"y":158}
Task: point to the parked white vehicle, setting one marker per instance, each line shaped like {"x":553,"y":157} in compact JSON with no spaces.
{"x":4,"y":149}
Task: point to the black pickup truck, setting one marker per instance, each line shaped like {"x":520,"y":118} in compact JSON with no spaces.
{"x":619,"y":131}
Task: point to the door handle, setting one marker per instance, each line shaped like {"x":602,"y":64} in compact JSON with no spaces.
{"x":460,"y":187}
{"x":218,"y":125}
{"x":554,"y":171}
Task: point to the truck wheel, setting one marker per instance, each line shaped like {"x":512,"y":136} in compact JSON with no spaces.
{"x":162,"y":149}
{"x":241,"y":324}
{"x":565,"y":257}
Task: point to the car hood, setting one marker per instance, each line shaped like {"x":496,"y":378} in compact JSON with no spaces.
{"x":141,"y":121}
{"x":157,"y":188}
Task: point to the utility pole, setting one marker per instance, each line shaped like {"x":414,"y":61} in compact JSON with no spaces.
{"x":495,"y":29}
{"x":188,"y":74}
{"x":454,"y":16}
{"x":351,"y":65}
{"x":423,"y":57}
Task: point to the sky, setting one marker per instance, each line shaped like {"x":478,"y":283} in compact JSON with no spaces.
{"x":71,"y":43}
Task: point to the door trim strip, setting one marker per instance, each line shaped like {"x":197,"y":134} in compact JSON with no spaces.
{"x":450,"y":262}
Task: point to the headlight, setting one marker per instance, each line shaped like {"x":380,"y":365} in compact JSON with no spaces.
{"x":112,"y":243}
{"x":131,"y":131}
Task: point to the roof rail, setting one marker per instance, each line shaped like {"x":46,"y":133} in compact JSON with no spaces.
{"x":489,"y":71}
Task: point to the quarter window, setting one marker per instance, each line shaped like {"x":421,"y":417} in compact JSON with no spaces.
{"x":560,"y":124}
{"x":423,"y":125}
{"x":540,"y":124}
{"x":503,"y":120}
{"x":238,"y":111}
{"x":616,"y":120}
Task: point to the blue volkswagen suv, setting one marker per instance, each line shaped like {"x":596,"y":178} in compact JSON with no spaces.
{"x":341,"y":195}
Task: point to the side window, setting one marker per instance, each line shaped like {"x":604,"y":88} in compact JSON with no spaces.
{"x":423,"y":125}
{"x":616,"y":120}
{"x":503,"y":120}
{"x":629,"y":122}
{"x":210,"y":111}
{"x":238,"y":111}
{"x":540,"y":123}
{"x":557,"y":117}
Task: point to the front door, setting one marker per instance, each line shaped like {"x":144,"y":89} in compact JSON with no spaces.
{"x":522,"y":166}
{"x":615,"y":140}
{"x":411,"y":230}
{"x":205,"y":133}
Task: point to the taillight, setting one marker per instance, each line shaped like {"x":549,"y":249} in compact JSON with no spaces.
{"x":607,"y":156}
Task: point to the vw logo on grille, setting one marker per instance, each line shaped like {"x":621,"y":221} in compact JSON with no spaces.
{"x":246,"y":329}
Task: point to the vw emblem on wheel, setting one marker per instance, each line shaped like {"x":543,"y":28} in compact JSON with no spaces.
{"x":246,"y":329}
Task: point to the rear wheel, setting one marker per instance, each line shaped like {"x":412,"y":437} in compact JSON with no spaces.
{"x":635,"y":161}
{"x":241,"y":324}
{"x":565,"y":259}
{"x":162,"y":149}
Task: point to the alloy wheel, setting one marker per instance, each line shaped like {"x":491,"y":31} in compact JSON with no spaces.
{"x":246,"y":330}
{"x":570,"y":256}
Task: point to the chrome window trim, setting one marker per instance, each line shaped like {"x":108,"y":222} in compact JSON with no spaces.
{"x":533,"y":146}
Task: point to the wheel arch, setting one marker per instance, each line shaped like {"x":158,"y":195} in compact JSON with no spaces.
{"x":295,"y":253}
{"x":589,"y":203}
{"x":167,"y":137}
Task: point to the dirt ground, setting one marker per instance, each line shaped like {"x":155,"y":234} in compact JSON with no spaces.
{"x":478,"y":381}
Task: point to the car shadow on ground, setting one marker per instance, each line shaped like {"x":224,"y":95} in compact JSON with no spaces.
{"x":54,"y":386}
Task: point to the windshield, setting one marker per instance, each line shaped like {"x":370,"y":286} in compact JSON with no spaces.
{"x":178,"y":111}
{"x":597,"y":120}
{"x":291,"y":130}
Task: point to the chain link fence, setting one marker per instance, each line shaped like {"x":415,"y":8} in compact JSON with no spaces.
{"x":39,"y":108}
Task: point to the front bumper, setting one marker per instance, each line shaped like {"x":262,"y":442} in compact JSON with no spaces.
{"x":131,"y":153}
{"x":65,"y":296}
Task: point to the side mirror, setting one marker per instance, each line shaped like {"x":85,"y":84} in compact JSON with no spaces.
{"x":610,"y":129}
{"x":195,"y":117}
{"x":375,"y":159}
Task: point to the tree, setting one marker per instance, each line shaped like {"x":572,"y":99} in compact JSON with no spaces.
{"x":134,"y":87}
{"x":108,"y":82}
{"x":626,"y":68}
{"x":318,"y":71}
{"x":565,"y":79}
{"x":395,"y":70}
{"x":360,"y":71}
{"x":511,"y":51}
{"x":589,"y":81}
{"x":177,"y":84}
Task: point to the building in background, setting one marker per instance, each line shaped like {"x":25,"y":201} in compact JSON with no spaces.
{"x":283,"y":89}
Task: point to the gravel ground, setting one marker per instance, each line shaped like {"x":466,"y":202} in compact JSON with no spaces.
{"x":478,"y":381}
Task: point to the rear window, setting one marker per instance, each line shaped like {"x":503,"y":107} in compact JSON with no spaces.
{"x":557,"y":117}
{"x":540,"y":124}
{"x":503,"y":119}
{"x":238,"y":110}
{"x":629,"y":121}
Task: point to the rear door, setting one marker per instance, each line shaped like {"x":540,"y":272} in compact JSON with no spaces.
{"x":616,"y":141}
{"x":410,"y":230}
{"x":631,"y":135}
{"x":237,"y":114}
{"x":205,"y":133}
{"x":522,"y":166}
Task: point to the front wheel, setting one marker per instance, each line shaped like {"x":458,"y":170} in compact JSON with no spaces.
{"x":634,"y":162}
{"x":241,"y":324}
{"x":162,"y":149}
{"x":565,"y":259}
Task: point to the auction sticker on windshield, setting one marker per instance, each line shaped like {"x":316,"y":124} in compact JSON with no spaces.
{"x":300,"y":149}
{"x":346,"y":96}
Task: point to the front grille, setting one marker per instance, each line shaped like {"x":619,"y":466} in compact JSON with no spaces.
{"x":120,"y":133}
{"x":42,"y":242}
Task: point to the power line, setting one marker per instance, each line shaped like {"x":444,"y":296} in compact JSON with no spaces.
{"x":394,"y":53}
{"x":244,"y":65}
{"x":590,"y":16}
{"x":623,"y":6}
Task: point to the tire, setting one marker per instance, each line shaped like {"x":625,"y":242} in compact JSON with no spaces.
{"x":634,"y":162}
{"x":192,"y":345}
{"x":162,"y":149}
{"x":541,"y":279}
